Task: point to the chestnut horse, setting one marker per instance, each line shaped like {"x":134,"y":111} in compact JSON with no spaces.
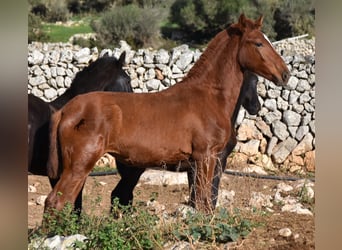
{"x":183,"y":126}
{"x":248,"y":98}
{"x":106,"y":74}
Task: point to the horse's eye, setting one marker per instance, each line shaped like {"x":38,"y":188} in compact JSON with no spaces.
{"x":258,"y":44}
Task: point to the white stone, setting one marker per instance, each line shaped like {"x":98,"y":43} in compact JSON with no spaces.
{"x":41,"y":200}
{"x":285,"y":232}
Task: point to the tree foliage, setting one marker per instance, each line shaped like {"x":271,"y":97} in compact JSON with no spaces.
{"x":201,"y":19}
{"x":140,"y":21}
{"x":294,"y":18}
{"x":204,"y":18}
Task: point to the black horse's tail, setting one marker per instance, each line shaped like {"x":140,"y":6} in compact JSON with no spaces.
{"x":53,"y":164}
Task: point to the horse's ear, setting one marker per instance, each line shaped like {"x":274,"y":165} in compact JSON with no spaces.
{"x":259,"y":21}
{"x":242,"y":19}
{"x":122,"y":58}
{"x":242,"y":22}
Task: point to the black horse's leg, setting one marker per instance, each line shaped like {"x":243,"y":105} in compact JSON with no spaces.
{"x":220,"y":167}
{"x":191,"y":181}
{"x":78,"y":202}
{"x":30,"y":145}
{"x":124,"y":189}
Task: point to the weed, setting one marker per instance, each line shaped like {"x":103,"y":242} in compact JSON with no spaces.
{"x":219,"y":227}
{"x":140,"y":229}
{"x":305,"y":198}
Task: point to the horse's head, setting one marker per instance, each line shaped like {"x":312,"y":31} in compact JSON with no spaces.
{"x":104,"y":74}
{"x":257,"y":54}
{"x":250,"y":100}
{"x":120,"y":81}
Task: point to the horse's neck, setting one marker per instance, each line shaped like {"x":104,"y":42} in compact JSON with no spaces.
{"x":60,"y":101}
{"x":219,"y":70}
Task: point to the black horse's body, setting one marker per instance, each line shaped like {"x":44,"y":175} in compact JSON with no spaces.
{"x":248,"y":98}
{"x":104,"y":74}
{"x":39,"y":113}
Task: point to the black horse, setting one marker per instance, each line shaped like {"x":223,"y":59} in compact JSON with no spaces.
{"x":248,"y":98}
{"x":104,"y":74}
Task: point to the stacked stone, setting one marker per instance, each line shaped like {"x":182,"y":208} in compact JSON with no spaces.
{"x":284,"y":129}
{"x":52,"y":67}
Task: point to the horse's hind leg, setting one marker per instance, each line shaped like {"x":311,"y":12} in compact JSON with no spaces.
{"x":124,"y":189}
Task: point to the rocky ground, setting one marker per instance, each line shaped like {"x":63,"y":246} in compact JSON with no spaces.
{"x":285,"y":208}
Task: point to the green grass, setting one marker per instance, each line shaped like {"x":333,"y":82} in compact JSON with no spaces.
{"x":103,"y":169}
{"x":61,"y":33}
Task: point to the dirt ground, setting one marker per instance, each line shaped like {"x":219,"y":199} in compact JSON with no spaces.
{"x":262,"y":237}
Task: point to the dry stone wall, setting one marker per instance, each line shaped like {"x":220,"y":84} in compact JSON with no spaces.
{"x":281,"y":135}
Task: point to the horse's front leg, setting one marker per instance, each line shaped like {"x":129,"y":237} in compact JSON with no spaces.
{"x":78,"y":201}
{"x":204,"y":174}
{"x":65,"y":191}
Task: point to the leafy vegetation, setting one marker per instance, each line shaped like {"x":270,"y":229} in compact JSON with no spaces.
{"x":202,"y":19}
{"x":35,"y":29}
{"x":140,"y":229}
{"x":144,"y":23}
{"x":135,"y":25}
{"x":221,"y":227}
{"x":305,"y":198}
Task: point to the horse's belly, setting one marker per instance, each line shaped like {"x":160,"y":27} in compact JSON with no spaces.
{"x":139,"y":155}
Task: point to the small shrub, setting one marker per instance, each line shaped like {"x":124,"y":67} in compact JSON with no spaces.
{"x":57,"y":11}
{"x":220,"y":227}
{"x":138,"y":26}
{"x":35,"y":31}
{"x":305,"y":198}
{"x":64,"y":222}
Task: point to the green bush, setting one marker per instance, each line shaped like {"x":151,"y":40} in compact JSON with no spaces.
{"x":35,"y":32}
{"x":221,"y":227}
{"x":57,"y":11}
{"x":138,"y":26}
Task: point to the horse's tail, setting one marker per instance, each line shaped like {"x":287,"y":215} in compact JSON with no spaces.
{"x":53,"y":165}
